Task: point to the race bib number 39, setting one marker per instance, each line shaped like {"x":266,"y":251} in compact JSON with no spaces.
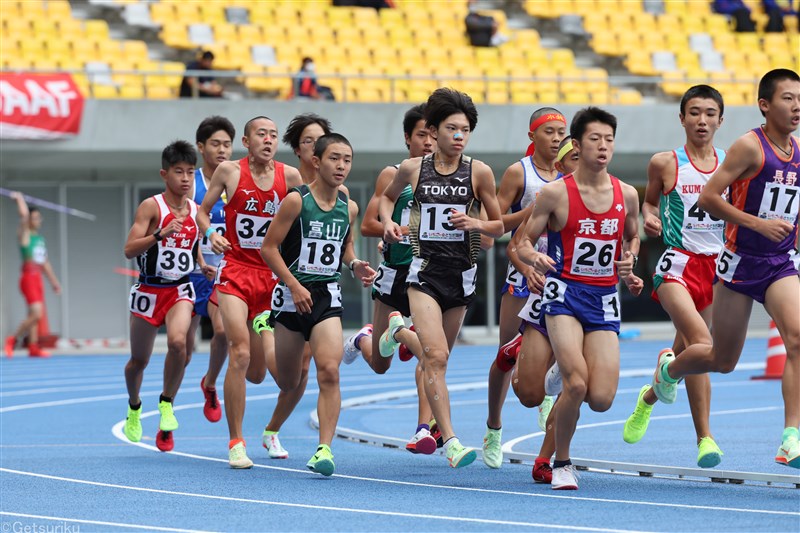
{"x":173,"y":263}
{"x":251,"y":230}
{"x":435,"y":224}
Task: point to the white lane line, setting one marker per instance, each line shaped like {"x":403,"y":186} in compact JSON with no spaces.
{"x":508,"y":447}
{"x":85,"y":521}
{"x":316,"y":507}
{"x":90,"y":399}
{"x":53,"y":390}
{"x":116,"y":430}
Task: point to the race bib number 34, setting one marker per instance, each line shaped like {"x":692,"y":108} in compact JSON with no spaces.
{"x":251,"y":230}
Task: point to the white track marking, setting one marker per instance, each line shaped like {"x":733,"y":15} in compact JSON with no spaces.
{"x":94,"y":522}
{"x":316,"y":507}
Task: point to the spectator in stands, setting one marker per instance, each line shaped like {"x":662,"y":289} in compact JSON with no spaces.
{"x":482,"y":29}
{"x":776,"y":10}
{"x":738,"y":11}
{"x":305,"y":83}
{"x":202,"y":86}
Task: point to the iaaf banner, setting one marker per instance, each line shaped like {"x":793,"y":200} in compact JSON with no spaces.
{"x":39,"y":106}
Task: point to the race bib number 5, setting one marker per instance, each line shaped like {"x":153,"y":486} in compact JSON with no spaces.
{"x":727,"y":262}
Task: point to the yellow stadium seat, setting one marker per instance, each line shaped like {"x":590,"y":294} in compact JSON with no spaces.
{"x":225,"y":33}
{"x":250,"y":34}
{"x":606,"y":44}
{"x":103,"y":91}
{"x":716,"y":24}
{"x":163,"y":13}
{"x":527,"y":39}
{"x":562,"y":58}
{"x":96,"y":29}
{"x":595,"y":23}
{"x":161,"y":93}
{"x":524,"y":97}
{"x":212,"y":13}
{"x":70,"y":29}
{"x":639,"y":62}
{"x":32,"y":8}
{"x":133,"y":92}
{"x":340,"y":17}
{"x":626,"y":97}
{"x":188,"y":12}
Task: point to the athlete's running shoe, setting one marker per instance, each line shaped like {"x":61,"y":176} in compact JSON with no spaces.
{"x":789,"y":451}
{"x":164,"y":441}
{"x":237,"y":456}
{"x":708,"y":453}
{"x":272,"y":443}
{"x":168,"y":420}
{"x":492,"y":449}
{"x":564,"y":478}
{"x":507,"y":354}
{"x":351,"y":352}
{"x":261,"y":323}
{"x":552,"y":381}
{"x":422,"y":442}
{"x":458,"y":456}
{"x":133,"y":424}
{"x":34,"y":350}
{"x":544,"y":412}
{"x":388,"y":343}
{"x":11,"y":343}
{"x":322,"y":461}
{"x":436,"y":433}
{"x":211,"y":409}
{"x":403,"y":353}
{"x":636,"y":425}
{"x":542,"y":472}
{"x":665,"y":391}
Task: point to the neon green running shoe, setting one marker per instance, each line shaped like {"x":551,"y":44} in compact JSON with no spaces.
{"x":666,"y":391}
{"x":322,"y":461}
{"x":388,"y":344}
{"x":789,"y":451}
{"x":458,"y":456}
{"x":492,"y":450}
{"x":708,"y":453}
{"x":636,"y":425}
{"x":544,"y":412}
{"x":133,"y":425}
{"x":261,"y":323}
{"x":168,"y":420}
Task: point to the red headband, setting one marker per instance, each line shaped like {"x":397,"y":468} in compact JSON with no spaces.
{"x":541,"y":120}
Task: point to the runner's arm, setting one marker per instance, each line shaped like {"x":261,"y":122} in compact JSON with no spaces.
{"x":140,"y":236}
{"x":371,"y":225}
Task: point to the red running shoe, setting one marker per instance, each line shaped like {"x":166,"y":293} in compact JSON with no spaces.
{"x":11,"y":343}
{"x":403,"y":352}
{"x":437,"y":434}
{"x":34,"y":350}
{"x":542,"y":473}
{"x":422,"y":442}
{"x":164,"y":441}
{"x":211,"y":409}
{"x":507,"y":354}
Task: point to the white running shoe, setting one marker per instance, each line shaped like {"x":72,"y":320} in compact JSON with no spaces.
{"x":565,"y":478}
{"x":237,"y":457}
{"x":492,"y":448}
{"x":552,"y":381}
{"x":351,"y":353}
{"x":273,"y":446}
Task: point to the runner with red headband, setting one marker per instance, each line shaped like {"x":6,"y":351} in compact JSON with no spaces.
{"x":519,"y":187}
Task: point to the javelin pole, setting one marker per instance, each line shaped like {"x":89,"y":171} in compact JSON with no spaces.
{"x":32,"y":200}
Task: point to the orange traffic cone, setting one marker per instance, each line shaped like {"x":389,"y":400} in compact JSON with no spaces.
{"x":776,"y":354}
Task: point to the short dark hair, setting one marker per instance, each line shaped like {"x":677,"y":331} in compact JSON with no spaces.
{"x":543,"y":111}
{"x":326,"y":140}
{"x":586,"y":116}
{"x":410,"y":119}
{"x":250,"y":123}
{"x":211,"y":125}
{"x":769,"y":82}
{"x":444,"y":102}
{"x":178,"y":152}
{"x":295,"y":128}
{"x":702,"y":91}
{"x":208,"y":54}
{"x":33,"y":209}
